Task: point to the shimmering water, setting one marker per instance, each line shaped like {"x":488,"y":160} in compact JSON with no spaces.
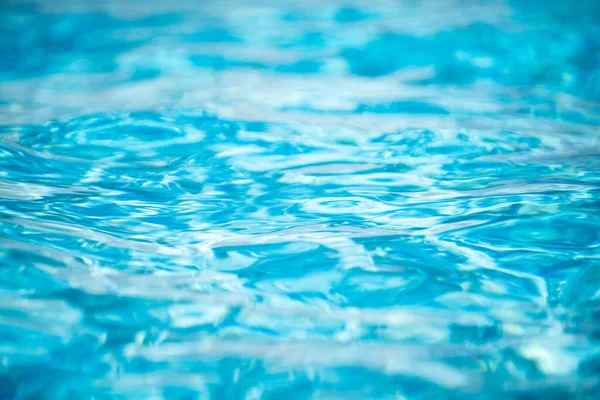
{"x":299,"y":199}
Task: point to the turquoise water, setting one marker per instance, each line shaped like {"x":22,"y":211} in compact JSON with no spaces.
{"x":299,"y":200}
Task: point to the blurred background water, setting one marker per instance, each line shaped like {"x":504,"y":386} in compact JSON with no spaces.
{"x":299,"y":199}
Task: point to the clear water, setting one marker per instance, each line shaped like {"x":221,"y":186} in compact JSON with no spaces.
{"x":349,"y":199}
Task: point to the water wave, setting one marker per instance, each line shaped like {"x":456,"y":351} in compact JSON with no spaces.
{"x":299,"y":200}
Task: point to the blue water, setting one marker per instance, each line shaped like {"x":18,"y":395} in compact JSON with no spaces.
{"x":299,"y":199}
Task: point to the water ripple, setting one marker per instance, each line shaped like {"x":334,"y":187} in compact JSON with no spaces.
{"x":340,"y":200}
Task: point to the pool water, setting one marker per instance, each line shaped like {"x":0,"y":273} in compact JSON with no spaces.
{"x":299,"y":199}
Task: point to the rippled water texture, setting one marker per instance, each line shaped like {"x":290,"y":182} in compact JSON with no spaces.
{"x":325,"y":200}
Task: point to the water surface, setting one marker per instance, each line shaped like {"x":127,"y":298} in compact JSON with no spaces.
{"x":326,"y":200}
